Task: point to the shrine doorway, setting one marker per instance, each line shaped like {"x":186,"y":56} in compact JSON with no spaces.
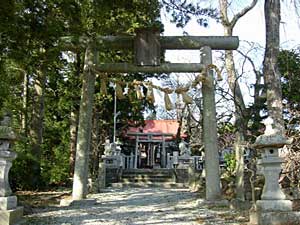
{"x":149,"y":155}
{"x":150,"y":149}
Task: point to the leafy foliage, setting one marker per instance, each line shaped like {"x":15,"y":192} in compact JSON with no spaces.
{"x":230,"y":162}
{"x":289,"y":66}
{"x":183,"y":11}
{"x":41,"y":85}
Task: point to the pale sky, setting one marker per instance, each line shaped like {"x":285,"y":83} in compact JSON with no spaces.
{"x":250,"y":28}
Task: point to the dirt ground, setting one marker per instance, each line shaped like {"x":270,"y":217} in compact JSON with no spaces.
{"x":134,"y":206}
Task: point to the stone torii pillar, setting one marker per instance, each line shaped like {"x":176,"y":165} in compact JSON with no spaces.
{"x":212,"y":170}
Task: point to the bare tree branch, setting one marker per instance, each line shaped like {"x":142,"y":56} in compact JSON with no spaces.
{"x":242,"y":13}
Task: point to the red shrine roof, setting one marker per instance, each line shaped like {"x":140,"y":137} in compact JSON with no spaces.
{"x":167,"y":128}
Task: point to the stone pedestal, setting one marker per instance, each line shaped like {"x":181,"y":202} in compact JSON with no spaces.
{"x":195,"y":179}
{"x":184,"y":161}
{"x":6,"y":158}
{"x":272,"y":199}
{"x":7,"y":203}
{"x":274,"y":205}
{"x":274,"y":218}
{"x":113,"y":161}
{"x":101,"y":176}
{"x":9,"y":212}
{"x":12,"y":216}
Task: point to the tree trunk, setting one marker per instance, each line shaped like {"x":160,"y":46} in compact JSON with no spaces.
{"x":240,"y":164}
{"x":74,"y":119}
{"x":25,"y":104}
{"x":240,"y":121}
{"x":270,"y":64}
{"x":240,"y":107}
{"x":73,"y":139}
{"x":84,"y":128}
{"x":96,"y":144}
{"x":36,"y":132}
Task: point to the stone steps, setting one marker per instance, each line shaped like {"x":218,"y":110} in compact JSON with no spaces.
{"x":143,"y":178}
{"x":148,"y":185}
{"x":155,"y":172}
{"x":146,"y":175}
{"x":146,"y":179}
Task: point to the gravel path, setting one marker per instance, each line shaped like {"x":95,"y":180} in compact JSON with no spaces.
{"x":137,"y":206}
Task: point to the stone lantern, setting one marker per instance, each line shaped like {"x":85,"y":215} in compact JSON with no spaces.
{"x":9,"y":212}
{"x":273,"y":201}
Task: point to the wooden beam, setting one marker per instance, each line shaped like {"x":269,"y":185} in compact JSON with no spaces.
{"x":163,"y":68}
{"x":167,"y":42}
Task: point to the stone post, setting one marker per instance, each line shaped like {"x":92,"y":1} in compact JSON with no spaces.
{"x":212,"y":173}
{"x":101,"y":176}
{"x":273,"y":205}
{"x":9,"y":212}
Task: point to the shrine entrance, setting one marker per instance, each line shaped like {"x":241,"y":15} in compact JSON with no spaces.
{"x":150,"y":150}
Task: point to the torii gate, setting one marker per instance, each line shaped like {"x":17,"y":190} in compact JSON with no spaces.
{"x":147,"y":46}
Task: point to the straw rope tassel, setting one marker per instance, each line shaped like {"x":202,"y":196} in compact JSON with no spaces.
{"x":218,"y":72}
{"x":138,"y":85}
{"x":130,"y":95}
{"x":150,"y":95}
{"x":119,"y":91}
{"x":139,"y":94}
{"x":168,"y":103}
{"x":186,"y":98}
